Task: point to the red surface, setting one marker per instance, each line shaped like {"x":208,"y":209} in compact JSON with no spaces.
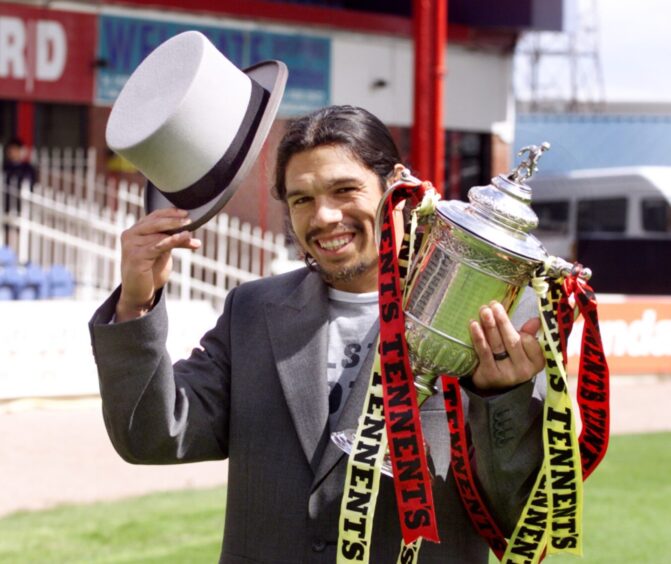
{"x":67,"y":37}
{"x":428,"y":145}
{"x":297,"y":14}
{"x":25,"y":122}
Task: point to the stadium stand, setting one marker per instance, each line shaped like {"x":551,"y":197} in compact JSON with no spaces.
{"x":72,"y":221}
{"x":31,"y":281}
{"x":7,"y":256}
{"x":60,"y":282}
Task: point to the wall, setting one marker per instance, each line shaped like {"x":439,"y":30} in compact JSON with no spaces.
{"x":53,"y":357}
{"x":327,"y":66}
{"x":636,"y":335}
{"x":46,"y":347}
{"x":475,"y":98}
{"x":586,"y":141}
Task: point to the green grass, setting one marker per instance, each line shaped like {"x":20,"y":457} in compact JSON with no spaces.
{"x":184,"y":526}
{"x":627,"y":519}
{"x":627,"y":504}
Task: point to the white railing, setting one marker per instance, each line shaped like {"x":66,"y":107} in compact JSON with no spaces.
{"x":77,"y":222}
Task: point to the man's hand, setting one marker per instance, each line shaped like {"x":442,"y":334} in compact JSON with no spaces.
{"x":507,"y":358}
{"x":146,"y":259}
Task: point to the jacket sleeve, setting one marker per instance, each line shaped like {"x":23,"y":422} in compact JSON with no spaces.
{"x":506,"y":433}
{"x":156,"y":413}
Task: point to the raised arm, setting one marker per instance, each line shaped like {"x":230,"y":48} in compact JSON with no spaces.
{"x":146,"y":259}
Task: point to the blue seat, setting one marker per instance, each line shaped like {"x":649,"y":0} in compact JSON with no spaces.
{"x":6,"y":291}
{"x":7,"y":256}
{"x":61,"y":282}
{"x":13,"y":280}
{"x":28,"y":293}
{"x":36,"y":285}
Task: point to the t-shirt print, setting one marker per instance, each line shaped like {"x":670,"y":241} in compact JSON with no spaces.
{"x":350,"y":363}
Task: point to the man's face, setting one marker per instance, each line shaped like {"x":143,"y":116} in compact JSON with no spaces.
{"x":332,"y":199}
{"x":14,"y":153}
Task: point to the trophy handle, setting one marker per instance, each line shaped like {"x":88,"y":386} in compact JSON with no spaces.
{"x":406,"y":179}
{"x":559,"y":268}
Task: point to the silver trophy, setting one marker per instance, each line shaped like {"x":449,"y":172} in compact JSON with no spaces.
{"x":475,"y":252}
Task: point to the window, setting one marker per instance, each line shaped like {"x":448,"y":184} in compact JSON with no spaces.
{"x":7,"y":120}
{"x":602,"y":216}
{"x":552,"y":217}
{"x":656,"y":215}
{"x":467,"y":162}
{"x":61,"y":125}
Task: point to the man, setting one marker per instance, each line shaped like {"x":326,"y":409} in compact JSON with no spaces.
{"x":15,"y":166}
{"x":278,"y":373}
{"x":16,"y":170}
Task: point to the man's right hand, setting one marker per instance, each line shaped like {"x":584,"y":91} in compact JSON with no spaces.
{"x":146,"y":259}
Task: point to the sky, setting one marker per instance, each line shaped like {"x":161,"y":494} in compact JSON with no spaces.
{"x":635,"y":42}
{"x":634,"y":46}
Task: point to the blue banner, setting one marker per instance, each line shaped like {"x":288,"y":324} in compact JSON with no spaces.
{"x":123,"y":42}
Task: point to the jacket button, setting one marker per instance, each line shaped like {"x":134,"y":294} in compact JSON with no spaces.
{"x":318,"y":545}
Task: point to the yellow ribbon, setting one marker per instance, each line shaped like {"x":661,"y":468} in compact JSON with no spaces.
{"x":362,"y":481}
{"x":553,"y":513}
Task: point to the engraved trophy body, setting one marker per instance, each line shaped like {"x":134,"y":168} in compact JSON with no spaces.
{"x":475,"y":252}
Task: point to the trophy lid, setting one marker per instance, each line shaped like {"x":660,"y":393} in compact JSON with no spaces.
{"x":500,"y":213}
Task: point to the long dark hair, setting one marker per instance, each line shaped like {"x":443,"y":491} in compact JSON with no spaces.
{"x":357,"y":129}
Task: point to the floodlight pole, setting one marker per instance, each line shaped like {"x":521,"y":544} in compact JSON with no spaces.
{"x":430,"y":38}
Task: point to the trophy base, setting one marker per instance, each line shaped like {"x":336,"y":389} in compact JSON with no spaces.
{"x":345,"y":440}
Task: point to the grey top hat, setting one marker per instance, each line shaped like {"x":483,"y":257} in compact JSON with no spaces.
{"x":193,"y":123}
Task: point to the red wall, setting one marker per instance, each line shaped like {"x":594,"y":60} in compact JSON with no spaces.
{"x":46,"y":55}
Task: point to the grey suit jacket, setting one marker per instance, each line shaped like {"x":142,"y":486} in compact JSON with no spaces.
{"x":256,"y":393}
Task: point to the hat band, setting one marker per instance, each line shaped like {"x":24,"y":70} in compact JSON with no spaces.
{"x":219,"y":177}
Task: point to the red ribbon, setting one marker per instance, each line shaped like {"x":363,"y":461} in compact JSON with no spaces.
{"x":593,"y":403}
{"x":412,"y":482}
{"x":593,"y":374}
{"x":411,"y":477}
{"x":477,"y":511}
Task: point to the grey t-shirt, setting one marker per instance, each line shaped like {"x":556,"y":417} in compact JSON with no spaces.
{"x":353,"y":328}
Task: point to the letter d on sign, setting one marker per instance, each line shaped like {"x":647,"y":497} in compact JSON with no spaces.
{"x":52,"y":50}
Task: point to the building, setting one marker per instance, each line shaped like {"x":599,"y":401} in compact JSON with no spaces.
{"x":63,"y":63}
{"x":620,"y":135}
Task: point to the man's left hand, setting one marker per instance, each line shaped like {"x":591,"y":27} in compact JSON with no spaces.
{"x":507,"y":357}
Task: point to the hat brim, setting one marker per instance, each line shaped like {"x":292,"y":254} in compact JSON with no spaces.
{"x":272,"y":76}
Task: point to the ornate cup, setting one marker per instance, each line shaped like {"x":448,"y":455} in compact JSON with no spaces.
{"x":476,"y":252}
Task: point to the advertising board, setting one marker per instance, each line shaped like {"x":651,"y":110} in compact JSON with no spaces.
{"x":124,"y":41}
{"x":46,"y":55}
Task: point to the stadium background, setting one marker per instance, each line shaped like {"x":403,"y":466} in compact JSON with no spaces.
{"x":56,"y":91}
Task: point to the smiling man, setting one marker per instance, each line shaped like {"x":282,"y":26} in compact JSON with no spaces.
{"x":288,"y":363}
{"x":332,"y":200}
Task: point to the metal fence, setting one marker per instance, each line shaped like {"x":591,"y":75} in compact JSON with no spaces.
{"x":74,"y":217}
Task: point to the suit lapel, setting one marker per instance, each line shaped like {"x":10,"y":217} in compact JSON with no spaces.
{"x":299,"y":334}
{"x":349,"y":418}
